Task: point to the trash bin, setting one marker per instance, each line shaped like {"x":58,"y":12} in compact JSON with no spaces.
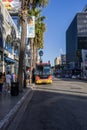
{"x":1,"y":87}
{"x":14,"y":88}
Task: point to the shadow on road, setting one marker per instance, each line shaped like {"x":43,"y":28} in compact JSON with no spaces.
{"x":51,"y":110}
{"x":69,"y":79}
{"x":64,"y":91}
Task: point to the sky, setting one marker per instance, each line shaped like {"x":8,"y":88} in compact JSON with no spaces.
{"x":59,"y":14}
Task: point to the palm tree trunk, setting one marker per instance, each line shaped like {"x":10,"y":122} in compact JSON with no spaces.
{"x":22,"y":53}
{"x":35,"y":54}
{"x":31,"y":58}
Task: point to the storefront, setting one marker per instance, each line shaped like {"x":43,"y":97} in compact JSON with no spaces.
{"x":9,"y":64}
{"x":8,"y":32}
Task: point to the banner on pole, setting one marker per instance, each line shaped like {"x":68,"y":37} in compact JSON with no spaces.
{"x":31,"y":27}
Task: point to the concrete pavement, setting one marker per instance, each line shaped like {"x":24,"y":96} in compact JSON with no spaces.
{"x":9,"y":106}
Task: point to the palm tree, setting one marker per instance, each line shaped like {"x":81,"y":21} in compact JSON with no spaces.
{"x":40,"y":29}
{"x":38,"y":3}
{"x":33,"y":46}
{"x":37,"y":42}
{"x":23,"y":19}
{"x":28,"y":4}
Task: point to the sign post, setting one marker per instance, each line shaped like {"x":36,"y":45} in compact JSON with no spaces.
{"x":40,"y":54}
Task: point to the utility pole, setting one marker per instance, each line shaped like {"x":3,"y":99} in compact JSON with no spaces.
{"x":23,"y":19}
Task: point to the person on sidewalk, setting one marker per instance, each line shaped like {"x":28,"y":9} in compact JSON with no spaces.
{"x":8,"y":81}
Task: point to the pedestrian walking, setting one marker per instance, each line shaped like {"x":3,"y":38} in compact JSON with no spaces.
{"x":8,"y":81}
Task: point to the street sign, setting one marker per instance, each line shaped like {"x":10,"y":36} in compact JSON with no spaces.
{"x":41,"y":53}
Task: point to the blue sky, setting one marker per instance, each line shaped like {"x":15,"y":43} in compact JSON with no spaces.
{"x":59,"y":14}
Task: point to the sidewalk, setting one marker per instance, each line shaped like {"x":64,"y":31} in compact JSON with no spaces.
{"x":9,"y":105}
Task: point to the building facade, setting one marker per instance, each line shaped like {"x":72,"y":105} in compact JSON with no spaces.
{"x":61,"y":60}
{"x":76,"y":38}
{"x":57,"y":61}
{"x":8,"y":32}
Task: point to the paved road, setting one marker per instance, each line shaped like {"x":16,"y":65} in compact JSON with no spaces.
{"x":60,"y":106}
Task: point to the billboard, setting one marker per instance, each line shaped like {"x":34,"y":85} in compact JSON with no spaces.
{"x":31,"y":27}
{"x":12,"y":5}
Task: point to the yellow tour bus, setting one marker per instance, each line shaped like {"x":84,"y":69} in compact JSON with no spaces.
{"x":43,"y":73}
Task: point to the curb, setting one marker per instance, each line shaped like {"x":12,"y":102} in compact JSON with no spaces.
{"x":8,"y":118}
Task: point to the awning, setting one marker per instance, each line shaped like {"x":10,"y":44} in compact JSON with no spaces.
{"x":9,"y":60}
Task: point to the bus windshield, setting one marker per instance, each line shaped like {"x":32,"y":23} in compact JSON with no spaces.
{"x":43,"y":70}
{"x":46,"y":70}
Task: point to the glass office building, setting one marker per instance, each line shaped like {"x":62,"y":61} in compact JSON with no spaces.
{"x":76,"y":37}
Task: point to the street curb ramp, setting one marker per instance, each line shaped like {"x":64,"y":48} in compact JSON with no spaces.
{"x":4,"y":123}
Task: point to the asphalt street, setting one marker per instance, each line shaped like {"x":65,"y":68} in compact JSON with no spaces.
{"x":59,"y":106}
